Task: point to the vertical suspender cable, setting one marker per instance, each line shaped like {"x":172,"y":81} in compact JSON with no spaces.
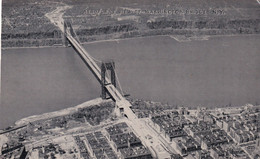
{"x":118,"y":81}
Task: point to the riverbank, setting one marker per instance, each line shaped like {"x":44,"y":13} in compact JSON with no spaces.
{"x":58,"y":113}
{"x":84,"y":38}
{"x":179,"y":38}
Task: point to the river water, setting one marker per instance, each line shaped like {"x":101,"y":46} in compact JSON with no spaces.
{"x":216,"y":72}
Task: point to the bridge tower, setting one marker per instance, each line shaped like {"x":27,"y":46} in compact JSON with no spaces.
{"x":105,"y":66}
{"x":67,"y":27}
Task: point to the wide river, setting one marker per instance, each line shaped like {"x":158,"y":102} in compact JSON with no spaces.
{"x":216,"y":72}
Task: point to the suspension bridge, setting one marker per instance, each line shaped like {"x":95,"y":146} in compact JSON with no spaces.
{"x":123,"y":105}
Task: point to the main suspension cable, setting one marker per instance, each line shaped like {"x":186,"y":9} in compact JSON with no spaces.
{"x":80,"y":43}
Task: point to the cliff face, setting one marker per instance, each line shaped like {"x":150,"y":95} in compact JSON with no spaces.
{"x":187,"y":28}
{"x":253,"y":24}
{"x":107,"y":30}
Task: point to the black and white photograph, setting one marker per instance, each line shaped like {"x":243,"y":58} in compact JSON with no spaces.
{"x":130,"y":79}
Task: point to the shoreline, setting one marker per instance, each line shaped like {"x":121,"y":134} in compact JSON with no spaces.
{"x":57,"y":113}
{"x":90,"y":103}
{"x":186,"y":39}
